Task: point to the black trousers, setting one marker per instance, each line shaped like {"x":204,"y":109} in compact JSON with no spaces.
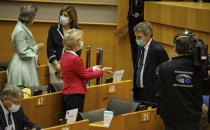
{"x":73,"y":101}
{"x":138,"y":94}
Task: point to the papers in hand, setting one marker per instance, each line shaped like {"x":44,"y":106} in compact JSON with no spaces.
{"x":71,"y":115}
{"x":117,"y":76}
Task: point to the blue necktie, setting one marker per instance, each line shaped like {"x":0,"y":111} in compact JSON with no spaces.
{"x":140,"y":65}
{"x":9,"y":119}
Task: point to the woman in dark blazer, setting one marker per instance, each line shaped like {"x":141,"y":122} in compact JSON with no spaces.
{"x":67,"y":20}
{"x":74,"y":73}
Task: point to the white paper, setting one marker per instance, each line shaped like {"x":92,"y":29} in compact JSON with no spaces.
{"x":71,"y":115}
{"x":108,"y":118}
{"x":117,"y":76}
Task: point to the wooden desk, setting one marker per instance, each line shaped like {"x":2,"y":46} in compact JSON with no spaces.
{"x":46,"y":110}
{"x":98,"y":96}
{"x":116,"y":124}
{"x":141,"y":120}
{"x":80,"y":125}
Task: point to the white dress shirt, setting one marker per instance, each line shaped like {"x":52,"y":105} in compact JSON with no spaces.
{"x":146,"y":48}
{"x":6,"y":112}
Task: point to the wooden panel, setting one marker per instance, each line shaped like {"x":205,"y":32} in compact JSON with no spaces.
{"x":2,"y":80}
{"x":142,"y":120}
{"x":43,"y":74}
{"x":193,"y":15}
{"x":122,"y":12}
{"x":44,"y":110}
{"x":50,"y":11}
{"x":99,"y":96}
{"x":167,"y":21}
{"x":116,"y":124}
{"x":79,"y":125}
{"x":165,"y":34}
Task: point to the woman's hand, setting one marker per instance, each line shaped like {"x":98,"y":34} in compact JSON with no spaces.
{"x":40,"y":45}
{"x":97,"y":67}
{"x":107,"y":69}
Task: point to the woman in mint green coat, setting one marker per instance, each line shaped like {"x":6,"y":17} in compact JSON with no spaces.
{"x":22,"y":69}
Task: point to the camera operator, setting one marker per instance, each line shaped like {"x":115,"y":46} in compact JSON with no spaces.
{"x":182,"y":85}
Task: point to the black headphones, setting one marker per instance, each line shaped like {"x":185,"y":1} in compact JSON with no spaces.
{"x":188,"y":47}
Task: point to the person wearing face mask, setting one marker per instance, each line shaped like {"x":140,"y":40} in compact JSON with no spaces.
{"x":74,"y":73}
{"x":67,"y":20}
{"x":22,"y":69}
{"x":150,"y":55}
{"x":12,"y":116}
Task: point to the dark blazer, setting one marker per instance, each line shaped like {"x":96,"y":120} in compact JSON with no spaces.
{"x":55,"y":43}
{"x":155,"y":56}
{"x":20,"y":120}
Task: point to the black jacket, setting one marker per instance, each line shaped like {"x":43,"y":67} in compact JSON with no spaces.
{"x":181,"y":88}
{"x":20,"y":120}
{"x":155,"y":56}
{"x":55,"y":43}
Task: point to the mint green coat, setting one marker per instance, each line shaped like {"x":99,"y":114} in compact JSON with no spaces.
{"x":22,"y":68}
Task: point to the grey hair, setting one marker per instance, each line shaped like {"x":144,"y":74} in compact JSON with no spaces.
{"x":27,"y":12}
{"x":11,"y":91}
{"x":144,"y":27}
{"x":71,"y":38}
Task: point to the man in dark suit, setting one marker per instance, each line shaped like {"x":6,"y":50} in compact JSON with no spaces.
{"x":150,"y":55}
{"x":135,"y":15}
{"x":12,"y":116}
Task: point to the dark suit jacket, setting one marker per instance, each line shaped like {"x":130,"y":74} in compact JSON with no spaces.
{"x":55,"y":43}
{"x":155,"y":56}
{"x":20,"y":120}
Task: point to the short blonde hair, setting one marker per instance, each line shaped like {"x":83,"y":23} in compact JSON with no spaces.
{"x":71,"y":38}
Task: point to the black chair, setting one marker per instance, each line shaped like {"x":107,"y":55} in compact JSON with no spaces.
{"x":4,"y":65}
{"x":93,"y":116}
{"x":55,"y":87}
{"x":120,"y":106}
{"x":36,"y":90}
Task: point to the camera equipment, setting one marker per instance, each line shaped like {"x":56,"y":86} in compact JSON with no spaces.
{"x":198,"y":50}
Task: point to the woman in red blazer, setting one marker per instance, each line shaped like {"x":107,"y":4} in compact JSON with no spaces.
{"x":74,"y":73}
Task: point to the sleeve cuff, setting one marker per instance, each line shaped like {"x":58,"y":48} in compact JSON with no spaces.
{"x":94,"y":69}
{"x":35,"y":48}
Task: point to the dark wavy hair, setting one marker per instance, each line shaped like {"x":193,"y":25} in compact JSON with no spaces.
{"x":72,"y":14}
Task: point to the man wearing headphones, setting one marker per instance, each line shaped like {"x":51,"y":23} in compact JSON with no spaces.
{"x":181,"y":88}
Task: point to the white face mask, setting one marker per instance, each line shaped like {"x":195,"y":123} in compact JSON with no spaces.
{"x":64,"y":20}
{"x":14,"y":108}
{"x":81,"y":45}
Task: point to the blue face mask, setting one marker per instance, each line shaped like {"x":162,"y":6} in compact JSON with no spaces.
{"x":140,"y":42}
{"x":64,"y":20}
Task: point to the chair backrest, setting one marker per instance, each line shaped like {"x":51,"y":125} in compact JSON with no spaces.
{"x":93,"y":116}
{"x":120,"y":106}
{"x":55,"y":87}
{"x":36,"y":90}
{"x":4,"y":65}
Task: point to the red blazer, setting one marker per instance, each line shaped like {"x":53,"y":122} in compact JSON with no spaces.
{"x":75,"y":74}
